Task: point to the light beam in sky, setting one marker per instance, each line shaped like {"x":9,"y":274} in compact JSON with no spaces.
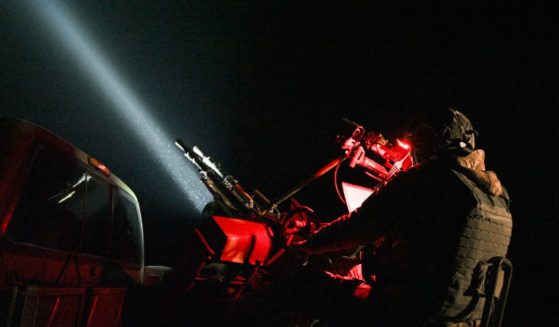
{"x":128,"y":106}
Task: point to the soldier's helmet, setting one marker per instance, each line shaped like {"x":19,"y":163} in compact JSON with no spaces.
{"x":446,"y":132}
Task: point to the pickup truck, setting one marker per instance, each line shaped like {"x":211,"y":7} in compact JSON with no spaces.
{"x":71,"y":239}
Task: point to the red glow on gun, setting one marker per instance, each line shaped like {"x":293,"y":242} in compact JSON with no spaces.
{"x":403,"y":145}
{"x":246,"y":241}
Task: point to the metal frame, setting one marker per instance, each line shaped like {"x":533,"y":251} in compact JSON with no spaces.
{"x":500,"y":275}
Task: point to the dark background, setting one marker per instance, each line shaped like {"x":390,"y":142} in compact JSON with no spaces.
{"x":262,"y":88}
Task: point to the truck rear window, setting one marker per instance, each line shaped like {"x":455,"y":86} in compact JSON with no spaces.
{"x":51,"y":205}
{"x":96,"y":217}
{"x":127,"y":232}
{"x":65,"y":206}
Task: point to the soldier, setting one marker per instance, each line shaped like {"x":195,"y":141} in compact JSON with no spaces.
{"x":425,"y":234}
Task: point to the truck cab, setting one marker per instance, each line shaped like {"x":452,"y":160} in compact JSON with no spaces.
{"x":71,"y":239}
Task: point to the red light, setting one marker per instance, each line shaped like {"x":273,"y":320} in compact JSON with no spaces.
{"x":403,"y":145}
{"x":99,"y":166}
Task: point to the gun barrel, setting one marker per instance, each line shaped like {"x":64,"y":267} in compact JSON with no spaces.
{"x":181,"y":145}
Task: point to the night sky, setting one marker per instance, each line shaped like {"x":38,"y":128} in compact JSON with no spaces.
{"x":262,"y":88}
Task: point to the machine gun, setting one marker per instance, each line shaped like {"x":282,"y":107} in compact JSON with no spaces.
{"x":379,"y":159}
{"x":240,"y":228}
{"x":269,"y":229}
{"x":228,"y":194}
{"x":246,"y":237}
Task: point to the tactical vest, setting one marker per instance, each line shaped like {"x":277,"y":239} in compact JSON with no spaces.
{"x":485,"y":234}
